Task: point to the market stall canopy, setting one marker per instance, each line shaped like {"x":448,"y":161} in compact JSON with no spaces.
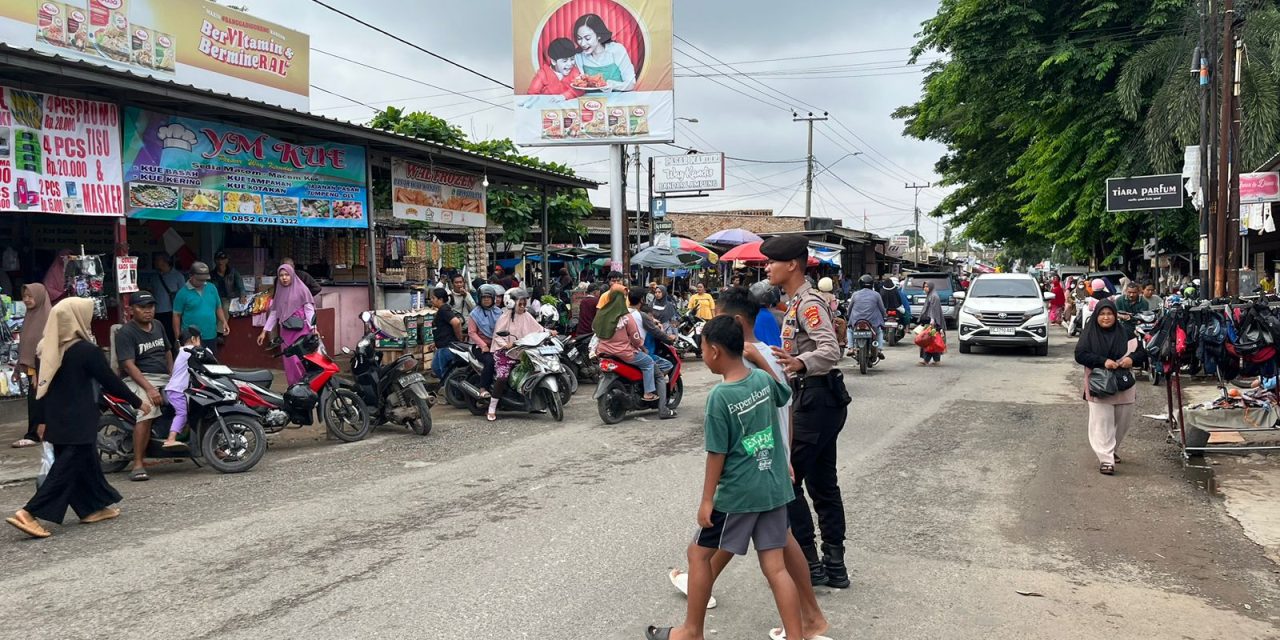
{"x":664,"y":258}
{"x":687,"y":246}
{"x":733,"y":237}
{"x":57,"y":74}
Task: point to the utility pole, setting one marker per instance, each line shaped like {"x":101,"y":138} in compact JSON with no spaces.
{"x":916,"y":208}
{"x":1223,"y":209}
{"x":808,"y":179}
{"x":1201,"y":64}
{"x":639,"y":227}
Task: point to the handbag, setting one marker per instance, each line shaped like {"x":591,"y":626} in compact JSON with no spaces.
{"x":1102,"y":383}
{"x":293,"y":323}
{"x":1124,"y":379}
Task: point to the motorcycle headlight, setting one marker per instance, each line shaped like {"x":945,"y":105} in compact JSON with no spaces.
{"x":364,"y":343}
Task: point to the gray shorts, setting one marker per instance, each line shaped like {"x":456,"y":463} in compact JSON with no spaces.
{"x":157,"y":380}
{"x":733,"y":532}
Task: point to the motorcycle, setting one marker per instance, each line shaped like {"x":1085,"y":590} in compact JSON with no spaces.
{"x":221,"y":430}
{"x":577,"y":356}
{"x":689,"y":335}
{"x":466,"y":360}
{"x":894,"y":329}
{"x":1144,"y":324}
{"x":621,"y":389}
{"x":394,"y":392}
{"x":341,"y":409}
{"x":864,"y":345}
{"x":535,"y":385}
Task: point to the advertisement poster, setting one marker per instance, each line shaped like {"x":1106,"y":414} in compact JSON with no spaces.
{"x":183,"y":169}
{"x":1259,"y":187}
{"x":426,"y":194}
{"x":688,"y":172}
{"x":193,"y":42}
{"x":127,"y":274}
{"x":593,"y":71}
{"x":1144,"y":193}
{"x":59,"y":155}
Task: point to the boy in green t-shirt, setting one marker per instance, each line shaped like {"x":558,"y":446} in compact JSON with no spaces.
{"x":747,"y":485}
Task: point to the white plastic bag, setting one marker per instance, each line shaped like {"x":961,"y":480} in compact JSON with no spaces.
{"x":46,"y":462}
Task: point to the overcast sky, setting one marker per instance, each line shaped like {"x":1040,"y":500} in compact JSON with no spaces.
{"x":477,"y":33}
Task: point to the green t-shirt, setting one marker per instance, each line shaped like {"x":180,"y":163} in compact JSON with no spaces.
{"x":742,"y":423}
{"x":199,"y":308}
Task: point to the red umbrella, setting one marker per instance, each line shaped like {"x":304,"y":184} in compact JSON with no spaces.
{"x":750,"y":252}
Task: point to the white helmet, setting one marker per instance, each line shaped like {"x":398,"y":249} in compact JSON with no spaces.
{"x":826,"y":285}
{"x":514,"y":294}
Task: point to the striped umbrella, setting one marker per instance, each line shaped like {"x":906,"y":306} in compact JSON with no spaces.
{"x":685,"y":245}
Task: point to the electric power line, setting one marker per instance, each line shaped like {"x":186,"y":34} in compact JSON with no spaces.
{"x":404,"y":77}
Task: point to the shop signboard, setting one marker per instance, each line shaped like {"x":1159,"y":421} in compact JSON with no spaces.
{"x":1257,"y":188}
{"x":188,"y":170}
{"x":592,"y":72}
{"x":689,"y":172}
{"x":1143,"y":193}
{"x":428,"y":194}
{"x":59,"y":155}
{"x":127,"y":274}
{"x":192,"y":42}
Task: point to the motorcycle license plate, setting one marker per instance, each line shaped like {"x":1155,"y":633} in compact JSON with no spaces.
{"x":411,"y":379}
{"x":549,"y":351}
{"x":1002,"y":331}
{"x":863,"y":335}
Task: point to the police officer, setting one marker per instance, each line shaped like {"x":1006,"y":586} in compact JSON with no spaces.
{"x":809,"y":353}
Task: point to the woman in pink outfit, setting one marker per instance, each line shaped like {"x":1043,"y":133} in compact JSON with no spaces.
{"x":292,"y":308}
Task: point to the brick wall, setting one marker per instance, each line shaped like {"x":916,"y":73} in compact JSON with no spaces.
{"x":698,"y":226}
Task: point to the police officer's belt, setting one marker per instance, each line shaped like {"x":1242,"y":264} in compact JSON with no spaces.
{"x":823,"y":381}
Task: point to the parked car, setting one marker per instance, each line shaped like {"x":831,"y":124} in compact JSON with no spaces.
{"x":945,"y":284}
{"x":1004,"y":310}
{"x":1113,"y":279}
{"x":1071,"y":272}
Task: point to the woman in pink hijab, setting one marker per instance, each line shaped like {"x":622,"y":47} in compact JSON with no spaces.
{"x":292,"y":308}
{"x":55,"y":279}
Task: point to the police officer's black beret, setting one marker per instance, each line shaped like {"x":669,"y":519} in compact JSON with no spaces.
{"x":785,"y":248}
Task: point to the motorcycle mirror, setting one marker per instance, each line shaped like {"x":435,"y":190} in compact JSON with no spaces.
{"x":366,"y":316}
{"x":346,"y":350}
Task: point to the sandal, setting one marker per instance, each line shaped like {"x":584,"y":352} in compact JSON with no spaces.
{"x":139,"y":475}
{"x":174,"y":446}
{"x":491,"y":417}
{"x":657,"y":633}
{"x":28,"y":525}
{"x":778,"y":633}
{"x":1116,"y":456}
{"x":680,"y":580}
{"x":100,"y":515}
{"x":1106,"y":469}
{"x":649,"y":397}
{"x":24,"y":443}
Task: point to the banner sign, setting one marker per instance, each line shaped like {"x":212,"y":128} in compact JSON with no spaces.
{"x":1142,"y":193}
{"x":426,"y":194}
{"x":59,"y":155}
{"x":192,"y":42}
{"x":1259,"y":187}
{"x":593,"y":71}
{"x":127,"y":274}
{"x":690,"y":172}
{"x":188,"y":170}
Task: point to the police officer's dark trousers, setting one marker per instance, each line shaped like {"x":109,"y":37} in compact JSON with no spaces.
{"x":818,"y":419}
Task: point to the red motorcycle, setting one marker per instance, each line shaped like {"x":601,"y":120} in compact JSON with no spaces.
{"x":894,"y":328}
{"x":621,"y":387}
{"x":341,"y":409}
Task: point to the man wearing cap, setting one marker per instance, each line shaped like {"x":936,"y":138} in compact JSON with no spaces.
{"x":227,"y":280}
{"x":145,"y":359}
{"x":809,"y":354}
{"x":198,"y":305}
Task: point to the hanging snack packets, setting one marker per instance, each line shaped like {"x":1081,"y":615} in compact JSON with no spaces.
{"x":639,"y":121}
{"x":594,"y":121}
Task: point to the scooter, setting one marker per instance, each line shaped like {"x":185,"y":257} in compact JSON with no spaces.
{"x":394,"y":392}
{"x":894,"y":329}
{"x":577,"y":356}
{"x":621,"y":389}
{"x":1144,"y":324}
{"x":341,"y":409}
{"x":466,"y":361}
{"x":689,"y":335}
{"x":864,"y":345}
{"x":535,"y":384}
{"x":220,"y":430}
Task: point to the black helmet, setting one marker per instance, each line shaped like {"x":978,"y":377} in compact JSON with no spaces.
{"x":301,"y":399}
{"x":866,"y":281}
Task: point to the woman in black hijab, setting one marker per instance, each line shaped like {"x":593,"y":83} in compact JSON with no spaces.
{"x":1104,"y":344}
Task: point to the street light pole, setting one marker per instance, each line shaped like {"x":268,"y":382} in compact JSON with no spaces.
{"x":808,"y":180}
{"x":916,"y":208}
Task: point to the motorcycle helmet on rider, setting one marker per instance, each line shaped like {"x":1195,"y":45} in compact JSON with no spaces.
{"x":866,"y":281}
{"x":514,"y":295}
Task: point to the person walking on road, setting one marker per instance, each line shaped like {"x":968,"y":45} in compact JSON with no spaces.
{"x":70,"y":364}
{"x":1059,"y":300}
{"x":931,"y":315}
{"x":36,"y":299}
{"x":809,"y":354}
{"x":1105,"y":344}
{"x":292,"y":308}
{"x":701,"y":304}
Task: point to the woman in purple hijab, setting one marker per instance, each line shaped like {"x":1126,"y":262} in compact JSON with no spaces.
{"x":292,"y":308}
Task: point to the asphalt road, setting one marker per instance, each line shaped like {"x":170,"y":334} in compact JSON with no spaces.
{"x":965,"y":484}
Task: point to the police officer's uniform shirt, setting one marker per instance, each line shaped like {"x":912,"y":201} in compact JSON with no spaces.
{"x":809,"y":333}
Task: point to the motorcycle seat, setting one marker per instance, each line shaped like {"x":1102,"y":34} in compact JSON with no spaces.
{"x":254,"y":376}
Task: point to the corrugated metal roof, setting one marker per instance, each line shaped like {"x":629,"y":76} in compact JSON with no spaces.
{"x":15,"y":56}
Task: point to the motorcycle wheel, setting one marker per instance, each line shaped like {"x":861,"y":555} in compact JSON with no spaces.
{"x":893,"y":339}
{"x":112,"y":439}
{"x":240,"y":452}
{"x":478,"y":406}
{"x":676,"y":395}
{"x":421,"y":425}
{"x":453,"y":394}
{"x":612,"y":406}
{"x":568,"y":383}
{"x":862,"y":359}
{"x":345,"y":415}
{"x":554,"y":405}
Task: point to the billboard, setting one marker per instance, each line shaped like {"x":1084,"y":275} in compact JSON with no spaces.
{"x":690,"y":172}
{"x":188,"y":170}
{"x":1142,"y":193}
{"x":427,"y":194}
{"x":593,"y":71}
{"x":1259,"y":187}
{"x":59,"y":155}
{"x":192,"y":42}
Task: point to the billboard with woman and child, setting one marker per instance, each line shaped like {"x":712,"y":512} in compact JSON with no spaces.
{"x":593,"y":71}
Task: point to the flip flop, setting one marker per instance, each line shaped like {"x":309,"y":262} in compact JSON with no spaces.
{"x":32,"y":528}
{"x":174,"y":446}
{"x":139,"y":475}
{"x":24,"y":443}
{"x":100,"y":515}
{"x":680,"y":580}
{"x":657,"y":633}
{"x":781,"y":634}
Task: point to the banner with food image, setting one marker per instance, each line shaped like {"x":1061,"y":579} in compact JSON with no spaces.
{"x":59,"y":155}
{"x":428,"y":194}
{"x":593,"y":72}
{"x":184,"y":169}
{"x":193,"y":42}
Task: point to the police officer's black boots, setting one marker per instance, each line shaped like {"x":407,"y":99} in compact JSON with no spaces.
{"x":817,"y":572}
{"x":837,"y":576}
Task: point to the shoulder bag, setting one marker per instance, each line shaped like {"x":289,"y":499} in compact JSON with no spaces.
{"x":1102,"y":383}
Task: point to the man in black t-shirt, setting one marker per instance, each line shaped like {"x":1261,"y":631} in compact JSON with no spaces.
{"x":446,"y":329}
{"x":145,"y":359}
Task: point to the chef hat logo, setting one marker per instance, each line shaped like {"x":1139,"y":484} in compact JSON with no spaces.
{"x":176,"y":136}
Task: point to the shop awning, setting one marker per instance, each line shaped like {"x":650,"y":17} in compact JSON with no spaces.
{"x":56,"y":74}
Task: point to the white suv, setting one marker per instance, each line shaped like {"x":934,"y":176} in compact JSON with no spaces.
{"x":1004,"y":310}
